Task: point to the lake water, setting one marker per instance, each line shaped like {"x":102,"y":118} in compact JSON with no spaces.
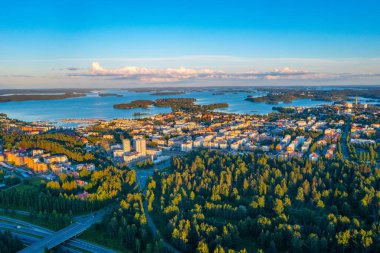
{"x":94,"y":106}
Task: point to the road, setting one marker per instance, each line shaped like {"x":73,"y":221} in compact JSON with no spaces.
{"x":44,"y":232}
{"x":144,"y":174}
{"x":346,"y":156}
{"x":2,"y":210}
{"x":18,"y":227}
{"x":142,"y":177}
{"x":14,"y":186}
{"x":173,"y":153}
{"x":155,"y":230}
{"x":27,"y":239}
{"x":52,"y":239}
{"x":343,"y":144}
{"x":65,"y":234}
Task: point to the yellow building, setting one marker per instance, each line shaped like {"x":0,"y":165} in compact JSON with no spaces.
{"x":40,"y":167}
{"x":16,"y":159}
{"x":56,"y":159}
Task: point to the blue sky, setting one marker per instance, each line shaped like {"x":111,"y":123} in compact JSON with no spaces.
{"x":134,"y":43}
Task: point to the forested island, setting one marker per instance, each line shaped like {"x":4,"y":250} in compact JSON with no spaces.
{"x":29,"y":97}
{"x":282,"y":109}
{"x":165,"y":93}
{"x":277,"y":95}
{"x":139,"y":114}
{"x":109,"y":95}
{"x":274,"y":98}
{"x":134,"y":104}
{"x":176,"y":104}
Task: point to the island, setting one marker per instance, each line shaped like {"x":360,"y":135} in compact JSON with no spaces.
{"x":272,"y":98}
{"x":287,"y":95}
{"x":176,"y":104}
{"x":282,"y":109}
{"x":109,"y":95}
{"x":140,"y":114}
{"x":166,"y":93}
{"x":29,"y":97}
{"x":134,"y":104}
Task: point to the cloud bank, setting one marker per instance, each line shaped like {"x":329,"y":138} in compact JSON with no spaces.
{"x":165,"y":75}
{"x":152,"y":74}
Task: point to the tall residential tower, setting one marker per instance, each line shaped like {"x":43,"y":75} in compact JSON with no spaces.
{"x":126,"y":145}
{"x":141,"y":146}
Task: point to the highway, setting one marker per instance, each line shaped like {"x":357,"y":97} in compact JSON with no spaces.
{"x":50,"y":239}
{"x":2,"y":210}
{"x":41,"y":238}
{"x":30,"y":239}
{"x":63,"y":235}
{"x":26,"y":229}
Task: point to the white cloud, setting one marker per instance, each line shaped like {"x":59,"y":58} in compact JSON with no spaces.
{"x":167,"y":75}
{"x":152,"y":74}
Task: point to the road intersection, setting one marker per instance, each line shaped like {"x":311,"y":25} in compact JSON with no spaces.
{"x":33,"y":234}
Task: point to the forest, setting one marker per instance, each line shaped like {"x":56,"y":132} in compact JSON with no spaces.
{"x":126,"y":227}
{"x":57,"y":202}
{"x":176,"y":104}
{"x":9,"y":243}
{"x":276,"y":95}
{"x":134,"y":104}
{"x":29,"y":97}
{"x":216,"y":202}
{"x":56,"y":143}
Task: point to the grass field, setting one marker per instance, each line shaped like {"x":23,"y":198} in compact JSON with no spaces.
{"x":30,"y":184}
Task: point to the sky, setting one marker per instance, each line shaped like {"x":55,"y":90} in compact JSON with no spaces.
{"x":121,"y":44}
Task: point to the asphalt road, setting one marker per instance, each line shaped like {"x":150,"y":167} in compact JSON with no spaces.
{"x":346,"y":156}
{"x":142,"y":177}
{"x":343,"y":144}
{"x":16,"y":211}
{"x":63,"y":235}
{"x":37,"y":232}
{"x":52,"y":239}
{"x":155,"y":230}
{"x":144,"y":174}
{"x":11,"y":224}
{"x":27,"y":239}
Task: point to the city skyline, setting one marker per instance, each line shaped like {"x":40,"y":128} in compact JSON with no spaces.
{"x":131,"y":44}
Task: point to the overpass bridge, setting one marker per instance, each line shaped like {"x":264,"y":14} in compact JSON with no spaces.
{"x":63,"y":235}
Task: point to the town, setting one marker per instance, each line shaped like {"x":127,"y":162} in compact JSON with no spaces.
{"x":189,"y":126}
{"x":89,"y":167}
{"x":153,"y":140}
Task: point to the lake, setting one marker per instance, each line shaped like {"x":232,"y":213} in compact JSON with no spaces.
{"x":94,"y":106}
